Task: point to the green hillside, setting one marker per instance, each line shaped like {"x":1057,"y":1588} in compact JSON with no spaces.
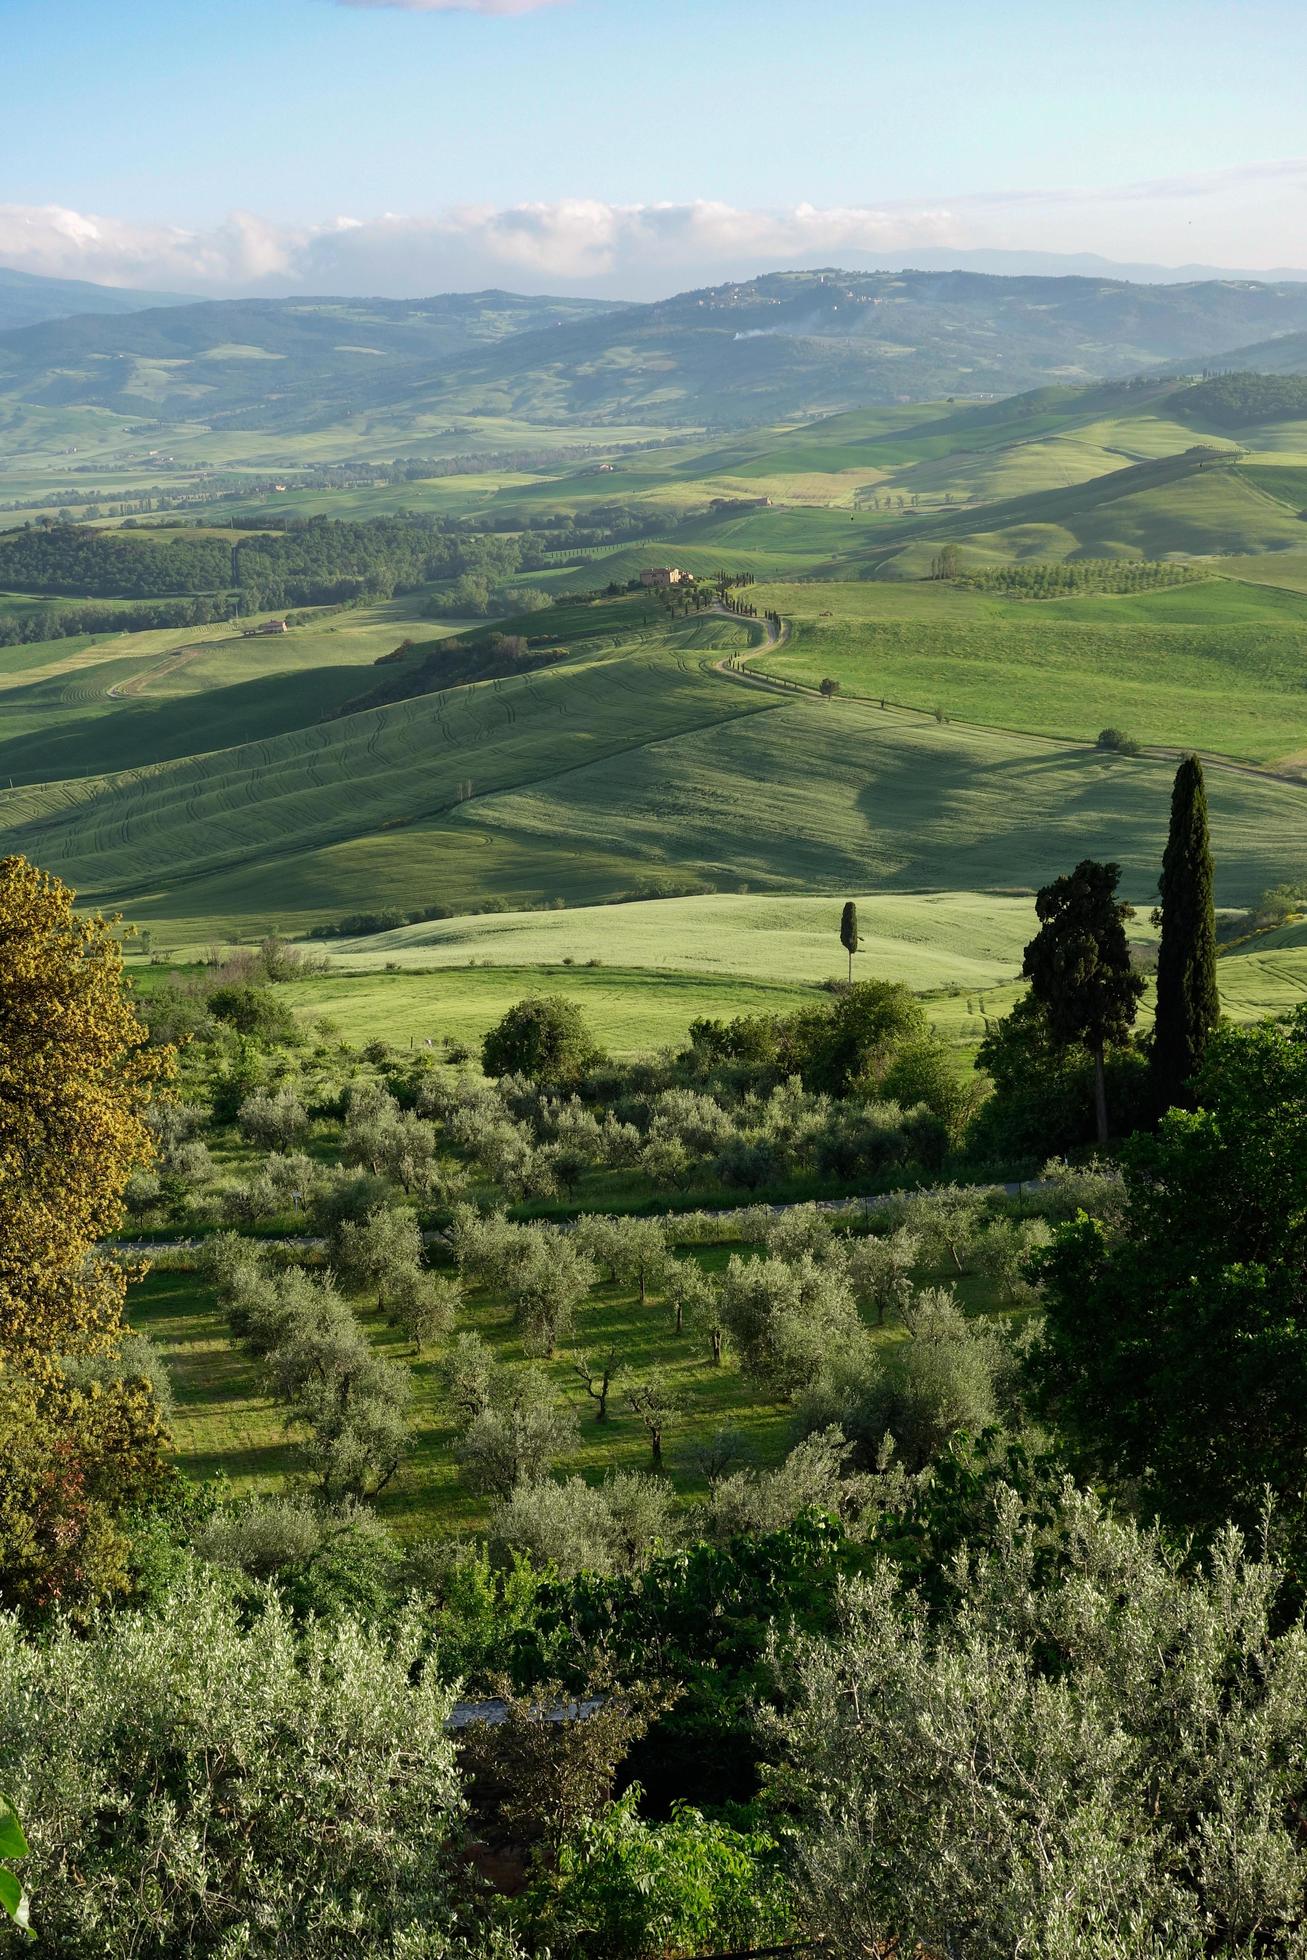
{"x":28,"y":297}
{"x":1214,"y":665}
{"x":1196,"y":503}
{"x":260,"y":363}
{"x":732,"y":355}
{"x":629,"y":765}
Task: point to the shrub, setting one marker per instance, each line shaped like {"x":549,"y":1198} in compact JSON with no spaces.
{"x":254,"y":1011}
{"x":544,"y":1037}
{"x":624,"y":1888}
{"x":194,"y":1785}
{"x":1089,"y":1756}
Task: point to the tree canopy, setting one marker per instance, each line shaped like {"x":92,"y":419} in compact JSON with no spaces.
{"x":1176,"y":1354}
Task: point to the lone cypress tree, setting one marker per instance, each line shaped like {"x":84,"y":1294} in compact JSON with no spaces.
{"x":1079,"y":967}
{"x":1188,"y":1006}
{"x":849,"y":933}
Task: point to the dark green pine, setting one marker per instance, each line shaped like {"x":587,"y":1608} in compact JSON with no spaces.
{"x":1188,"y":1006}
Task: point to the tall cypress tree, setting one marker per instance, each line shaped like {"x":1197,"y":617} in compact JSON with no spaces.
{"x":1188,"y":1006}
{"x":849,"y":933}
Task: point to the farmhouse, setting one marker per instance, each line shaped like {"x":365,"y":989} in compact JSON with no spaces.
{"x":268,"y":626}
{"x":664,"y":575}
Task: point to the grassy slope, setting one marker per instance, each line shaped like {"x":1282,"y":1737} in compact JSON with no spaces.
{"x":1216,"y":666}
{"x":668,"y":961}
{"x":829,"y":797}
{"x":1173,"y":504}
{"x":632,"y":1010}
{"x":613,"y":768}
{"x":396,"y":765}
{"x":61,"y":720}
{"x":944,"y":938}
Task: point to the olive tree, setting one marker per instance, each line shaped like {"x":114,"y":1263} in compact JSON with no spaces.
{"x":272,"y":1790}
{"x":379,"y":1254}
{"x":657,"y":1402}
{"x":880,"y":1272}
{"x":1092,"y":1755}
{"x":787,"y":1320}
{"x":516,"y":1436}
{"x":275,"y":1118}
{"x":547,"y":1279}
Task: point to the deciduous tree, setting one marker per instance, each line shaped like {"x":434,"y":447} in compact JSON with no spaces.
{"x":1080,"y":969}
{"x":75,"y":1080}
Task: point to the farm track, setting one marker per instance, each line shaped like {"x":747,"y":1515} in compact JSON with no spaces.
{"x":179,"y":657}
{"x":833,"y":1207}
{"x":900,"y":710}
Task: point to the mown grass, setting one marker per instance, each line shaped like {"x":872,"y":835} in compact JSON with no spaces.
{"x":226,"y":1427}
{"x":372,"y":770}
{"x":840,"y":797}
{"x":611,"y":773}
{"x":635,"y":1010}
{"x":631,"y":1012}
{"x":923,"y":939}
{"x":1215,"y":666}
{"x":62,"y":719}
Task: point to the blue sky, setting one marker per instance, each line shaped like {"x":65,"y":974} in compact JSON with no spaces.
{"x":533,"y":140}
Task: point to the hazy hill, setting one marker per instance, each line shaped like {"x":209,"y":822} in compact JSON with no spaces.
{"x":265,"y":363}
{"x":1285,"y":354}
{"x":785,"y":343}
{"x":797,"y":341}
{"x":26,"y":298}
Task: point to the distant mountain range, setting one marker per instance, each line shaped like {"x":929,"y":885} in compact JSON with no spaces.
{"x":26,"y":297}
{"x":784,"y":344}
{"x":1090,"y":265}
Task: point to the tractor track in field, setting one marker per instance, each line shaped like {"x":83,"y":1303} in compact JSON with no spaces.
{"x":1148,"y":752}
{"x":833,"y":1207}
{"x":178,"y":657}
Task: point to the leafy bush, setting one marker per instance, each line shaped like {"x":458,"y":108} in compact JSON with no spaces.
{"x":194,"y":1785}
{"x":1087,"y":1756}
{"x":623,"y":1888}
{"x":544,"y":1037}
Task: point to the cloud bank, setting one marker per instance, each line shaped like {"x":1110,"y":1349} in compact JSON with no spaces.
{"x":1250,"y":217}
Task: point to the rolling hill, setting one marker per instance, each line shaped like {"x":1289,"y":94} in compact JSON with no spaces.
{"x":629,"y":767}
{"x":27,"y":298}
{"x":781,"y":344}
{"x":261,"y":363}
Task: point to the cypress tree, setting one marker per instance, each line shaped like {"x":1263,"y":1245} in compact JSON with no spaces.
{"x":849,"y":933}
{"x":1188,"y":1006}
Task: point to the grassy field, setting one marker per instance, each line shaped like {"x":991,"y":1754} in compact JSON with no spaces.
{"x":635,"y":1002}
{"x":924,"y":939}
{"x":74,"y":707}
{"x":1163,"y":506}
{"x":1217,"y":665}
{"x":622,"y":768}
{"x":221,"y":791}
{"x":632,"y":1010}
{"x":225,"y":1427}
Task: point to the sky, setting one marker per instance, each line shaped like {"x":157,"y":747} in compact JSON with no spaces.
{"x":633,"y":148}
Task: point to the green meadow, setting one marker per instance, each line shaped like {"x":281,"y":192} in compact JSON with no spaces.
{"x":226,"y":1427}
{"x":215,"y":787}
{"x":1217,"y":665}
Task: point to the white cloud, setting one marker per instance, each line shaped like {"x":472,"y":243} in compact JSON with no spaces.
{"x":1249,"y":217}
